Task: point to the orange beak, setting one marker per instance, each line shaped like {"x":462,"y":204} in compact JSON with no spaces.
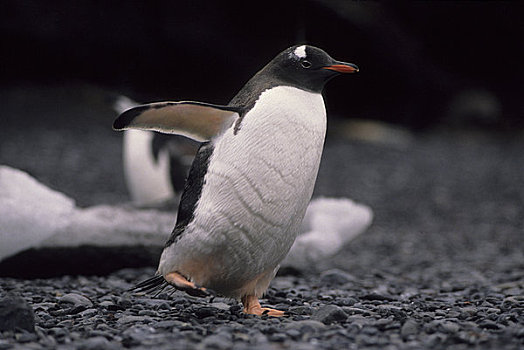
{"x":343,"y":67}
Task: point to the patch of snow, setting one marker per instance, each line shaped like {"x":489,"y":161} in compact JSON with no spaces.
{"x":105,"y":225}
{"x":328,"y":225}
{"x":29,"y":211}
{"x":33,"y":216}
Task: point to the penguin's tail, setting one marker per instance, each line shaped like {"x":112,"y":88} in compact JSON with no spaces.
{"x":158,"y":283}
{"x":155,"y":284}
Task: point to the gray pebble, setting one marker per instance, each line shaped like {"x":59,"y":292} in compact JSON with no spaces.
{"x":221,"y":306}
{"x":147,"y":313}
{"x":221,"y":341}
{"x":449,"y":327}
{"x":307,"y":326}
{"x":88,"y":313}
{"x":65,"y":324}
{"x":76,"y":300}
{"x":205,"y":311}
{"x":166,"y":324}
{"x":109,"y":305}
{"x":376,"y":296}
{"x":293,"y":333}
{"x":16,"y":313}
{"x":434,"y":340}
{"x":124,"y":302}
{"x":58,"y":332}
{"x":409,"y":328}
{"x":329,"y":314}
{"x":301,"y":310}
{"x":43,"y":306}
{"x":26,"y":337}
{"x":257,"y":337}
{"x":488,"y":324}
{"x":133,"y":319}
{"x":356,"y":311}
{"x":100,"y":333}
{"x":346,"y":301}
{"x":97,"y":343}
{"x":277,"y":337}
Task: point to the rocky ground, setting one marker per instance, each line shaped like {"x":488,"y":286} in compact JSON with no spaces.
{"x":336,"y":310}
{"x":442,"y":266}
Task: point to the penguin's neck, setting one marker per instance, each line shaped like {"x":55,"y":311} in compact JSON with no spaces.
{"x":287,"y":105}
{"x":246,"y":98}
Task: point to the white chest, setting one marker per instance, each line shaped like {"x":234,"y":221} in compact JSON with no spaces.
{"x":269,"y":167}
{"x":259,"y":183}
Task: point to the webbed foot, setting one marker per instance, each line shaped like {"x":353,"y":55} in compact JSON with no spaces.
{"x":180,"y":282}
{"x":252,"y":307}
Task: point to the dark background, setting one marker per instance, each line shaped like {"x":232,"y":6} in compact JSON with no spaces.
{"x":418,"y":60}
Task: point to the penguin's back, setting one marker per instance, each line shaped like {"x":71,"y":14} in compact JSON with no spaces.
{"x":259,"y":180}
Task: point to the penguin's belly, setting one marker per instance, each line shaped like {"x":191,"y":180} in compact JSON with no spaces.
{"x":257,"y":187}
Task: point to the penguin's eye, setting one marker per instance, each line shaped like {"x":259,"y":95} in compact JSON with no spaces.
{"x":305,"y":64}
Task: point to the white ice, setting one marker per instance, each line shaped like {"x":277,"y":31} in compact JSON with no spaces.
{"x":29,"y":211}
{"x":329,"y":224}
{"x":33,"y":216}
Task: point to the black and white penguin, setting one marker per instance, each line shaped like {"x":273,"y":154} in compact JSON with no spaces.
{"x":251,"y":180}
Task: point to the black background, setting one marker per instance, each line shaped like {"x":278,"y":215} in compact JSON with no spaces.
{"x":415,"y":57}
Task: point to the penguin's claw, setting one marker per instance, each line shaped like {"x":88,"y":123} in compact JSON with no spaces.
{"x":264,"y":311}
{"x":252,"y":307}
{"x":180,"y":282}
{"x":199,"y":292}
{"x":273,"y":312}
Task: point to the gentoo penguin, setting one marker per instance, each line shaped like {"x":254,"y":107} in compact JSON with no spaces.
{"x":251,"y":180}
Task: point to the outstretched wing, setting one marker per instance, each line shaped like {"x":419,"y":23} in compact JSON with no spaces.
{"x":197,"y":120}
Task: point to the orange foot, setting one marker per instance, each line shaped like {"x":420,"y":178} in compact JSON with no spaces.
{"x":180,"y":282}
{"x":252,"y":307}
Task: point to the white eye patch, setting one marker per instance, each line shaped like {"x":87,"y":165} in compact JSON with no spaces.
{"x":300,"y":51}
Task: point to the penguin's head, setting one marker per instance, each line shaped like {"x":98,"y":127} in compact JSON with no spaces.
{"x":307,"y":67}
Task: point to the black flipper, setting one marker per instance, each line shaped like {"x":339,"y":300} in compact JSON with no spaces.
{"x":197,"y":120}
{"x":192,"y":191}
